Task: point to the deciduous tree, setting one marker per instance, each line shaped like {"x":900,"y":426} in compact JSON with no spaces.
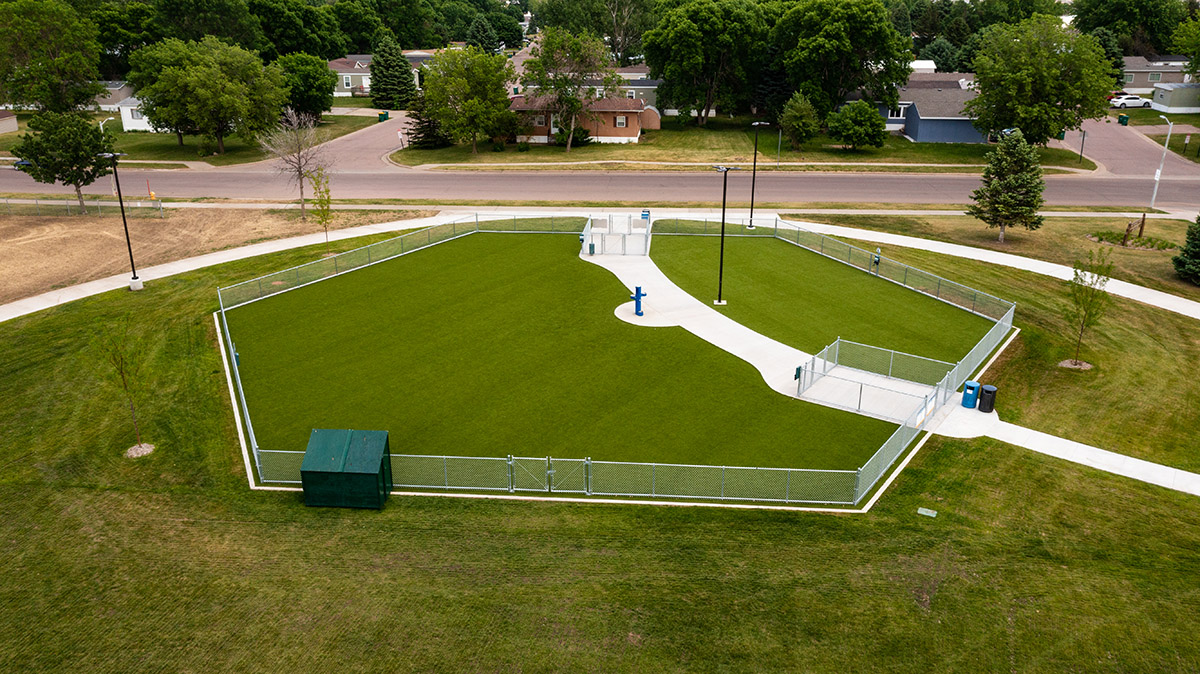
{"x":294,"y":26}
{"x":49,"y":56}
{"x":834,"y":47}
{"x":482,"y":35}
{"x":1011,"y":193}
{"x":64,"y":147}
{"x":856,"y":125}
{"x":1155,"y":20}
{"x":1089,"y":299}
{"x":943,"y":54}
{"x":1040,"y":78}
{"x":196,"y":19}
{"x":700,"y":50}
{"x":309,"y":82}
{"x":361,"y":25}
{"x":467,"y":90}
{"x":1186,"y":41}
{"x":564,"y":71}
{"x":295,"y":143}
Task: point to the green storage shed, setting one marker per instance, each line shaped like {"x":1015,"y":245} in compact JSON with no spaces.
{"x":347,"y":468}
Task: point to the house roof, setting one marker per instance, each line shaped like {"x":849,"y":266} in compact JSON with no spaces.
{"x":613,"y":104}
{"x":641,"y":70}
{"x":938,"y":102}
{"x":1142,"y":64}
{"x":938,"y":80}
{"x":351,"y":64}
{"x":633,"y":84}
{"x":7,"y":113}
{"x":131,"y":102}
{"x":1171,"y":86}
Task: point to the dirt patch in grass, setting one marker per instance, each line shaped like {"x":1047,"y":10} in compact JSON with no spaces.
{"x":38,"y":254}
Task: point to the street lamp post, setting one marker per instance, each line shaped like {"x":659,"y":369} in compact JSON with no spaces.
{"x":109,"y":119}
{"x":1158,"y":174}
{"x":135,"y":283}
{"x":754,"y":173}
{"x":720,"y":301}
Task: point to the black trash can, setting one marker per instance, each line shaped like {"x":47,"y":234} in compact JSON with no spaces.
{"x":987,"y":398}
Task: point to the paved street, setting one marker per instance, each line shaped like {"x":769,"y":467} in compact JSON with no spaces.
{"x":1126,"y":151}
{"x":392,"y":182}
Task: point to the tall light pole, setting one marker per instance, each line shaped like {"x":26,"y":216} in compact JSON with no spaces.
{"x":1158,"y":173}
{"x":721,"y":267}
{"x":102,"y":123}
{"x":135,"y":283}
{"x":754,"y":173}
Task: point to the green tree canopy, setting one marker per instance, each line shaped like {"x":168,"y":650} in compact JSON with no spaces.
{"x":309,"y":82}
{"x":1040,"y":78}
{"x":563,"y":70}
{"x":195,"y":19}
{"x":700,"y":49}
{"x":1187,"y":262}
{"x":508,"y":30}
{"x":49,"y":56}
{"x":834,"y":47}
{"x":1186,"y":41}
{"x":856,"y":125}
{"x":1151,"y":20}
{"x":467,"y":91}
{"x":413,"y":23}
{"x":424,"y":129}
{"x":122,"y":28}
{"x":208,"y":87}
{"x":294,"y":26}
{"x":482,"y":35}
{"x":361,"y":25}
{"x":799,"y":121}
{"x":943,"y":54}
{"x":1111,"y":45}
{"x":1011,"y":194}
{"x":392,"y":83}
{"x":64,"y":147}
{"x":621,"y":22}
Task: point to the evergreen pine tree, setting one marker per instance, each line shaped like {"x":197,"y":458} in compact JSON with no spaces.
{"x":392,"y":84}
{"x":772,"y":90}
{"x":482,"y":35}
{"x":943,"y":54}
{"x":901,"y":19}
{"x":424,"y":131}
{"x":1012,"y":186}
{"x":1187,"y":262}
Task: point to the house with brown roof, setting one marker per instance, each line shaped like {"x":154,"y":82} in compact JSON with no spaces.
{"x":8,"y":121}
{"x":610,"y":120}
{"x":1141,"y":74}
{"x":354,"y":75}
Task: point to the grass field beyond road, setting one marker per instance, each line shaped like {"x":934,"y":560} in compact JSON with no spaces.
{"x":807,"y":301}
{"x":728,"y":140}
{"x":506,"y":344}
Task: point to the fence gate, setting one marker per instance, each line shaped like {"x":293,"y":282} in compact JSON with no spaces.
{"x":547,"y":474}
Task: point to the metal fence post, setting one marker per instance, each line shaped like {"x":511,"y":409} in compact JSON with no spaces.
{"x":549,"y":469}
{"x":653,"y":491}
{"x":857,"y":476}
{"x":787,"y":489}
{"x":587,"y":475}
{"x":722,"y":481}
{"x":939,"y":288}
{"x":891,"y":362}
{"x":860,"y":392}
{"x":510,"y":473}
{"x":905,"y":281}
{"x":445,"y":473}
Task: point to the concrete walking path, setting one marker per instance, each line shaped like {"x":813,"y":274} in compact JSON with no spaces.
{"x":1156,"y":298}
{"x":970,"y":423}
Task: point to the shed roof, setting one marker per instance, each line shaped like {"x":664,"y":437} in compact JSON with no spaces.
{"x":344,"y":451}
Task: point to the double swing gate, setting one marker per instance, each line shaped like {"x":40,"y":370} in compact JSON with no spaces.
{"x":547,"y":474}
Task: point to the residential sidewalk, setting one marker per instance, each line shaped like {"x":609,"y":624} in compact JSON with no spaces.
{"x":763,"y":165}
{"x":971,"y":423}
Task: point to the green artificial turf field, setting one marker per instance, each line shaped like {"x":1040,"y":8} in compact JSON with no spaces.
{"x":499,"y":344}
{"x":807,"y":301}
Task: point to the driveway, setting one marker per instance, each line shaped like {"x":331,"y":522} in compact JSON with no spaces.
{"x":1125,"y":151}
{"x":362,"y":151}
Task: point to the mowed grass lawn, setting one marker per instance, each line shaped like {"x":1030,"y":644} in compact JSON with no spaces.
{"x":727,"y":140}
{"x":807,"y":301}
{"x":169,"y":563}
{"x":146,"y":146}
{"x":506,"y":344}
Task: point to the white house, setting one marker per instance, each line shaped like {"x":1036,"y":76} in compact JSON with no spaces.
{"x":131,"y":115}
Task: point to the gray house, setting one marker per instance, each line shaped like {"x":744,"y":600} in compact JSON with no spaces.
{"x":1141,"y":74}
{"x":354,"y":75}
{"x":931,"y":109}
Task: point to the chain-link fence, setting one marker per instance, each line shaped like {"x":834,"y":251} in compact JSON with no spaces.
{"x":133,"y":207}
{"x":550,"y":475}
{"x":654,"y":480}
{"x":301,"y":275}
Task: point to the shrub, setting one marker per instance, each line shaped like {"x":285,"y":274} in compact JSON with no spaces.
{"x":1146,"y":242}
{"x":799,"y":120}
{"x":523,"y":146}
{"x":856,"y":125}
{"x":497,"y":146}
{"x":582,"y":137}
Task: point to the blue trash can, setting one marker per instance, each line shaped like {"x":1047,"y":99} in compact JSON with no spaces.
{"x":987,"y":398}
{"x":970,"y":394}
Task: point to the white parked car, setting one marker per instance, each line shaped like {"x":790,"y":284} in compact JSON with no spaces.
{"x":1129,"y":101}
